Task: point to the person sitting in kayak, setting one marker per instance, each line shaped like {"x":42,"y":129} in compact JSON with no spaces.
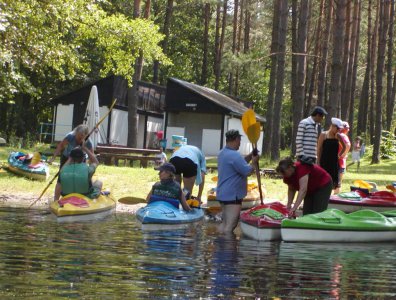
{"x":313,"y":184}
{"x":168,"y":189}
{"x":76,"y":176}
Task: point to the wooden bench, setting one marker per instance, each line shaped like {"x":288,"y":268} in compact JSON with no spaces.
{"x":110,"y":155}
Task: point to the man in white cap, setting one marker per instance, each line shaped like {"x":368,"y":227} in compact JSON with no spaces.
{"x":307,"y":135}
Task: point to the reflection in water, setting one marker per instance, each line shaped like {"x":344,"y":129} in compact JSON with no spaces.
{"x":115,"y":259}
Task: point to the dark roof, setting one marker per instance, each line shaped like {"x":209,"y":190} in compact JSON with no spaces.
{"x":226,"y":102}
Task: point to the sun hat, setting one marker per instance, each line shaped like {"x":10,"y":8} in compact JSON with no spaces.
{"x":166,"y":167}
{"x":318,"y":110}
{"x":337,"y":122}
{"x":345,"y":124}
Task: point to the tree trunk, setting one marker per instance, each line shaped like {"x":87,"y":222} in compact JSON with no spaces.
{"x":336,"y":66}
{"x":267,"y":142}
{"x":206,"y":16}
{"x":164,"y":44}
{"x":382,"y":33}
{"x":356,"y":43}
{"x":298,"y":103}
{"x":294,"y":60}
{"x":221,"y":46}
{"x":372,"y":76}
{"x":316,"y":56}
{"x":390,"y":99}
{"x":132,"y":93}
{"x":342,"y":108}
{"x":246,"y":35}
{"x":275,"y":150}
{"x":217,"y":43}
{"x":323,"y":60}
{"x":239,"y":43}
{"x":234,"y":46}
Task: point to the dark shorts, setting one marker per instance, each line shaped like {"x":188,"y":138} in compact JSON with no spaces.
{"x":184,"y":166}
{"x":238,"y":201}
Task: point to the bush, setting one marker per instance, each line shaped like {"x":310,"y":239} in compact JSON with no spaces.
{"x":388,"y":145}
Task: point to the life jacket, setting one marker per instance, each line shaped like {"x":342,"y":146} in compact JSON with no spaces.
{"x":169,"y":192}
{"x":74,"y":178}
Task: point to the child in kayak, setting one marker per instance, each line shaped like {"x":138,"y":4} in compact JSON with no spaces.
{"x":168,"y":189}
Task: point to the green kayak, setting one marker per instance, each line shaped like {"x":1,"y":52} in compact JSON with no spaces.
{"x":334,"y":225}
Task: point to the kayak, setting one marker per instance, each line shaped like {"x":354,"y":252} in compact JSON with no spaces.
{"x":357,"y":200}
{"x":263,"y":222}
{"x":333,"y":225}
{"x":251,"y":200}
{"x":26,"y":165}
{"x":77,"y":207}
{"x":164,"y":213}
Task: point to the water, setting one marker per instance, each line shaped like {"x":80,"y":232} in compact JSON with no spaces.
{"x":115,"y":259}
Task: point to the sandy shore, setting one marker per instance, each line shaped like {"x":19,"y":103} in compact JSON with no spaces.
{"x":24,"y":200}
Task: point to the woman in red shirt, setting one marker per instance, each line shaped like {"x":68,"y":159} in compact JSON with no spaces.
{"x":313,"y":184}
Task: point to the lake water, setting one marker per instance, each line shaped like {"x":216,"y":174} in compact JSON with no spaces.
{"x":114,"y":259}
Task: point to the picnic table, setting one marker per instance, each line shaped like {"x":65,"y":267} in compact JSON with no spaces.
{"x":110,"y":155}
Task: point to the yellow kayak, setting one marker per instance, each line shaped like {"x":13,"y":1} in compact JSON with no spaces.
{"x":79,"y":207}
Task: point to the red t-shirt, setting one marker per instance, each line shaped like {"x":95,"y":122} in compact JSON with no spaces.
{"x":317,"y":178}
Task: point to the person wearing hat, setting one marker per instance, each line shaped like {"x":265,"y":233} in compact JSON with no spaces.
{"x":328,"y":150}
{"x":342,"y":156}
{"x":167,"y":189}
{"x":190,"y":164}
{"x":76,"y":176}
{"x":307,"y":135}
{"x":233,"y":170}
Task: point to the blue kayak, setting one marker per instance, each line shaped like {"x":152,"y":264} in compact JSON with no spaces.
{"x":162,"y":212}
{"x":28,"y":165}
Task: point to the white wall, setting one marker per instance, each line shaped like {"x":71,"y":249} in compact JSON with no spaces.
{"x":119,"y":127}
{"x":63,"y":121}
{"x":246,"y":146}
{"x":173,"y":131}
{"x":211,"y":141}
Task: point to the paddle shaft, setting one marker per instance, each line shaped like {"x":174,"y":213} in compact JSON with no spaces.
{"x":86,"y":138}
{"x":258,"y":177}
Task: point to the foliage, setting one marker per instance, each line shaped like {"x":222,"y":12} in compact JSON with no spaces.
{"x":388,"y":145}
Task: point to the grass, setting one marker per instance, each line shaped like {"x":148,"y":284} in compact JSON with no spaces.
{"x":135,"y":181}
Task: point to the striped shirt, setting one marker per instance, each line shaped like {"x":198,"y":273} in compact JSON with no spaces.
{"x":307,"y":138}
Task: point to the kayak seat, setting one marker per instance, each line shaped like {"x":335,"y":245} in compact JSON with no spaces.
{"x":273,"y":214}
{"x":367,"y":214}
{"x":174,"y":202}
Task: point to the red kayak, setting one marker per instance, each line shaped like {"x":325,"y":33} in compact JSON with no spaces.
{"x":356,"y":200}
{"x":263,"y":222}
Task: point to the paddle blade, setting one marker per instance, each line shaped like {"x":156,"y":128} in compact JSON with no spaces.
{"x":253,"y":133}
{"x":248,"y":118}
{"x":36,"y":158}
{"x":132,"y":200}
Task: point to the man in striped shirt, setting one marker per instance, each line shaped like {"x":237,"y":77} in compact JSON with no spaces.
{"x":307,"y":136}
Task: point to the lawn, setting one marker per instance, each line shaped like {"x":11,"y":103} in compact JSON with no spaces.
{"x":135,"y":181}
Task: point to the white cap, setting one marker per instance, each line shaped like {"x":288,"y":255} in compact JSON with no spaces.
{"x":337,"y":122}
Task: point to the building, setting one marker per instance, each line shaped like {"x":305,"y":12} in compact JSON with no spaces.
{"x":200,"y":114}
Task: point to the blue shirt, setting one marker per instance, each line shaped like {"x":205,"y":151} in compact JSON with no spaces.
{"x":233,"y":172}
{"x":71,"y":138}
{"x":196,"y":155}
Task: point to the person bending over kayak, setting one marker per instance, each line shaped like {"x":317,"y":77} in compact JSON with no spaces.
{"x":313,"y":184}
{"x":76,"y":176}
{"x":168,"y":189}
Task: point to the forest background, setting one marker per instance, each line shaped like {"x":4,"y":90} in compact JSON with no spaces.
{"x":284,"y":56}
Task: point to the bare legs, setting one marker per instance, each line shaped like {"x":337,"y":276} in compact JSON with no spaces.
{"x":230,"y":215}
{"x":188,"y":183}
